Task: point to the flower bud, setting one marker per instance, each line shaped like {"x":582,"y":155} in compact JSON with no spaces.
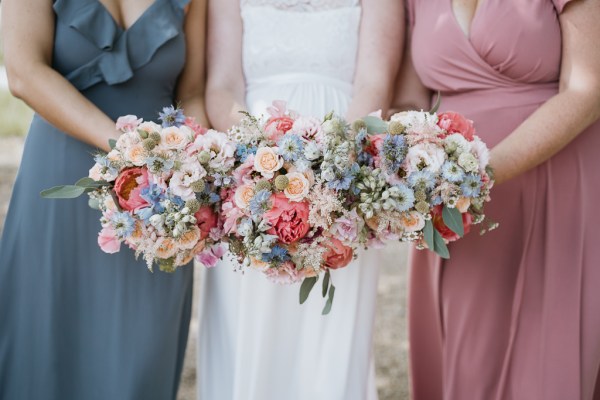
{"x":281,"y":182}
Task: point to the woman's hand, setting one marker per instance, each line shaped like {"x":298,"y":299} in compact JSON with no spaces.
{"x":571,"y":111}
{"x":379,"y":53}
{"x":225,"y":85}
{"x":28,"y":32}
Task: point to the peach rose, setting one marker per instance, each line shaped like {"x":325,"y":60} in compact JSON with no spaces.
{"x":136,"y":154}
{"x":243,"y":195}
{"x":189,"y":239}
{"x":338,"y":255}
{"x":166,"y":248}
{"x":175,"y":138}
{"x":207,"y":220}
{"x":412,"y":221}
{"x":298,"y":186}
{"x":128,"y":187}
{"x":149,"y":127}
{"x":289,"y":220}
{"x":447,"y":233}
{"x":463,"y":204}
{"x":453,"y":122}
{"x":267,"y":161}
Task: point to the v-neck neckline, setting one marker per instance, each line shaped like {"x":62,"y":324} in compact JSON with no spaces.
{"x":467,"y":35}
{"x":142,"y":15}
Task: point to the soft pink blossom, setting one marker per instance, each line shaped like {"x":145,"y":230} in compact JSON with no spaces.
{"x":128,"y":123}
{"x":108,"y":241}
{"x":210,"y":256}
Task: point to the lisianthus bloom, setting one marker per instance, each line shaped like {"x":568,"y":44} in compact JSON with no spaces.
{"x":128,"y":187}
{"x":128,"y":123}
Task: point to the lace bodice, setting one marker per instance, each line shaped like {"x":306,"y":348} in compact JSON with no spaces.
{"x":301,"y":5}
{"x":278,"y":40}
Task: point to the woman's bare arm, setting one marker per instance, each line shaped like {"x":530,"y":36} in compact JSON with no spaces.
{"x":28,"y":32}
{"x":572,"y":110}
{"x":379,"y":52}
{"x":225,"y":85}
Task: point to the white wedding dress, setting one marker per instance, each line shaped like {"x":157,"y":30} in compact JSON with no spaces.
{"x":256,"y":342}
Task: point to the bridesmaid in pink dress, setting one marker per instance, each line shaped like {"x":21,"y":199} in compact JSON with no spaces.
{"x":515,"y":314}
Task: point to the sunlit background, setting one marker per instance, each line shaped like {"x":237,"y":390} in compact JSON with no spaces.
{"x":390,"y":331}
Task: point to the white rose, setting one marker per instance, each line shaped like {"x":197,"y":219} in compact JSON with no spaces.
{"x":468,"y":162}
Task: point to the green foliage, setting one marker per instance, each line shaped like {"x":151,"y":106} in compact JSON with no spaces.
{"x":306,"y":287}
{"x":453,"y":220}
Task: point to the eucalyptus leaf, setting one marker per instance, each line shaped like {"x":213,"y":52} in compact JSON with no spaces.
{"x":112,"y":143}
{"x":453,"y":220}
{"x":88,"y":182}
{"x":63,"y":192}
{"x":326,"y":282}
{"x":375,"y":124}
{"x":436,"y":106}
{"x":439,"y":245}
{"x":306,"y":287}
{"x":329,"y":302}
{"x":428,"y":234}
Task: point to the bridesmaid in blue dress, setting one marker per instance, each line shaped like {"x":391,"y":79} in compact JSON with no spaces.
{"x":75,"y":323}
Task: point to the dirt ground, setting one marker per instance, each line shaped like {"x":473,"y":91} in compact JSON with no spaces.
{"x":391,"y":343}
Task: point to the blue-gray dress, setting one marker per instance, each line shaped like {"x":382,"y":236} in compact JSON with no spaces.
{"x":76,"y":323}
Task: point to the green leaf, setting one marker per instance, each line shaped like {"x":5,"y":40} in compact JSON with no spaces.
{"x":90,"y":183}
{"x":453,"y":220}
{"x":375,"y":124}
{"x":439,"y":246}
{"x":63,"y":192}
{"x":112,"y":143}
{"x":326,"y":282}
{"x":436,"y":106}
{"x":307,"y":285}
{"x":329,"y":302}
{"x":428,"y":234}
{"x":328,"y":116}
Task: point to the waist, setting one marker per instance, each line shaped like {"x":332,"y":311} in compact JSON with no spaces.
{"x":297,"y":78}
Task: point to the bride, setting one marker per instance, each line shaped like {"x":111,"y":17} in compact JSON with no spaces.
{"x":255,"y":341}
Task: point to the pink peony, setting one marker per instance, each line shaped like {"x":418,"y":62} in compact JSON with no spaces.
{"x":289,"y":220}
{"x":453,"y":122}
{"x":128,"y":187}
{"x":207,"y":220}
{"x":447,"y":233}
{"x":338,"y":255}
{"x":128,"y":123}
{"x":108,"y":242}
{"x":280,"y":121}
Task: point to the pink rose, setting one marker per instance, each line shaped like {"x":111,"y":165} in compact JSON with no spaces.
{"x":453,"y":122}
{"x":338,"y":255}
{"x":128,"y":123}
{"x":108,"y":242}
{"x":128,"y":187}
{"x":276,"y":127}
{"x":447,"y":233}
{"x":289,"y":220}
{"x":206,"y":220}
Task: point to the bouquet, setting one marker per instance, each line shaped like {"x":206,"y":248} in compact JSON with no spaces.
{"x":424,"y":177}
{"x":290,"y":211}
{"x":158,"y":190}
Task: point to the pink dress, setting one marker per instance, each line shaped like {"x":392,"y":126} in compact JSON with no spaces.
{"x":514,"y":314}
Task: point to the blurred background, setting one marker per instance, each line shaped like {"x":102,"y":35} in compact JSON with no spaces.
{"x":390,"y":338}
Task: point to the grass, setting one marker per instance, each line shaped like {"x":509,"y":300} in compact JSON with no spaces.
{"x":15,"y":116}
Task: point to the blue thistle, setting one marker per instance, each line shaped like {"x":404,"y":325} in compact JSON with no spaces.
{"x":277,"y":255}
{"x":452,"y":172}
{"x":158,"y":165}
{"x":290,"y":147}
{"x":404,"y":197}
{"x":471,"y":186}
{"x":171,"y":116}
{"x":123,"y":223}
{"x":423,"y":178}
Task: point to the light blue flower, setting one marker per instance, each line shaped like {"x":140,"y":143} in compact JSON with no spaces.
{"x":243,"y":151}
{"x":404,"y":197}
{"x":422,"y":178}
{"x":171,"y":116}
{"x":452,"y":172}
{"x":107,"y":167}
{"x":222,"y":180}
{"x":290,"y":147}
{"x":344,"y":178}
{"x":123,"y":223}
{"x":393,"y":153}
{"x":260,"y":203}
{"x":361,"y":137}
{"x":158,"y":165}
{"x":436,"y":201}
{"x":277,"y":255}
{"x":471,"y":186}
{"x":208,"y":195}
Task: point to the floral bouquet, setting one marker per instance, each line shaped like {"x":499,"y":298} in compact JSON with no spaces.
{"x":158,"y":190}
{"x":424,"y":177}
{"x":290,"y":210}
